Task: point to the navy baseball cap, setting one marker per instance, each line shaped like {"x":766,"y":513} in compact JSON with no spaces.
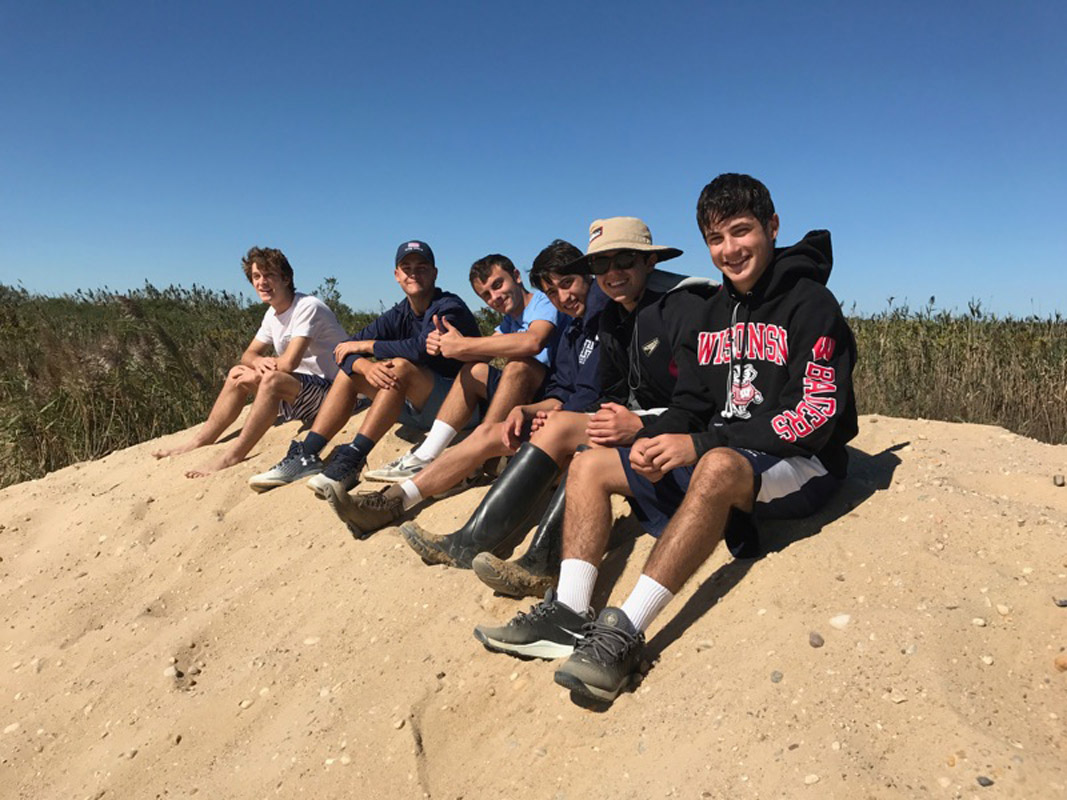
{"x":414,"y":246}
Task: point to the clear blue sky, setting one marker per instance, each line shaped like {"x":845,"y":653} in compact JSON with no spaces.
{"x":158,"y":141}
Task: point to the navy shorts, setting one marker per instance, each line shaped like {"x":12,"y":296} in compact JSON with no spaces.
{"x":784,"y":488}
{"x":492,"y":383}
{"x":422,"y":418}
{"x":313,"y":389}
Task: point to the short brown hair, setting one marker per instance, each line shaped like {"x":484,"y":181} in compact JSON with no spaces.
{"x":483,"y":267}
{"x":268,"y":259}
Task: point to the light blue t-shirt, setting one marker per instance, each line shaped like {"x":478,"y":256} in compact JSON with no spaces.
{"x":539,"y":307}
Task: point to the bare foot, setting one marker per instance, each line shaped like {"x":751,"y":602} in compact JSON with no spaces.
{"x":222,"y":462}
{"x":174,"y":451}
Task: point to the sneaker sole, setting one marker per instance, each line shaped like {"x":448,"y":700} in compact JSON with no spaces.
{"x":542,"y":648}
{"x":323,"y":486}
{"x":265,"y":485}
{"x":380,"y":476}
{"x":583,"y":689}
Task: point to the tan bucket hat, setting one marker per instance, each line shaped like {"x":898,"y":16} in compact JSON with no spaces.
{"x":621,"y":233}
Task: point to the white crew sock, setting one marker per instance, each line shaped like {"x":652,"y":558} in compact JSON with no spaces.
{"x":576,"y":581}
{"x":440,"y":436}
{"x":412,"y":495}
{"x":646,"y":601}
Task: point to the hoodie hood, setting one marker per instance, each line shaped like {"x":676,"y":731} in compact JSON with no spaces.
{"x":812,"y":257}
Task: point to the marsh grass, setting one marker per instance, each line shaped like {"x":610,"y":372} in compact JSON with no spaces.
{"x":85,"y":374}
{"x":972,"y":367}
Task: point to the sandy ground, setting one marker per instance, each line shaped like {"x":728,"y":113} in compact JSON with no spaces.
{"x":168,"y":638}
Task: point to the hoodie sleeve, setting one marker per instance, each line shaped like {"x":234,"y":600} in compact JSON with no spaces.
{"x":413,"y":348}
{"x":801,"y":419}
{"x":691,"y":405}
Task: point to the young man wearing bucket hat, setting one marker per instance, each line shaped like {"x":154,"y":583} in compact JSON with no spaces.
{"x":405,"y":379}
{"x":637,"y":376}
{"x":772,"y":444}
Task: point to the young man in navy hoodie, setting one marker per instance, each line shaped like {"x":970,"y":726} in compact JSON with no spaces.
{"x":757,"y":426}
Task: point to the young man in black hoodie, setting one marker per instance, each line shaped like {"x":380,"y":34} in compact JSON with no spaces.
{"x":758,"y":423}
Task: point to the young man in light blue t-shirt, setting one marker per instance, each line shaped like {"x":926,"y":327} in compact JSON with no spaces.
{"x":527,"y":337}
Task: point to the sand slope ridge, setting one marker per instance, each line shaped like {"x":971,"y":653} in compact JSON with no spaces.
{"x":168,"y":638}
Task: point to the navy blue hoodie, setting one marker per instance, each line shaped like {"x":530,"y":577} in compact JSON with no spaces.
{"x":575,"y":374}
{"x":770,"y":370}
{"x":401,"y":333}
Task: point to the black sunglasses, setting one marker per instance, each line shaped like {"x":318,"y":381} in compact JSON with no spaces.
{"x":601,"y":265}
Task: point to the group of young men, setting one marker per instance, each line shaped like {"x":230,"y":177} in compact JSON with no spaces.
{"x":708,"y":407}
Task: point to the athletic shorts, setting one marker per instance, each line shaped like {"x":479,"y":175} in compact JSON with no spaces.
{"x":422,"y":418}
{"x":313,"y":389}
{"x":784,"y":488}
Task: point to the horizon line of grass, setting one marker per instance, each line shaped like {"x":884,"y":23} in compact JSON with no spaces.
{"x":87,"y":373}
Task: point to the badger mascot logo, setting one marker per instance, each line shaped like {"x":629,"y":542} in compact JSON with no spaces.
{"x":742,"y":392}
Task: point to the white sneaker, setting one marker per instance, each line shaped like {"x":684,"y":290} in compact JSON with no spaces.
{"x":405,"y":467}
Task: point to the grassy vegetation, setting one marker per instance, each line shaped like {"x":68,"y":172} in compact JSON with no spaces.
{"x":972,"y":367}
{"x":84,"y":374}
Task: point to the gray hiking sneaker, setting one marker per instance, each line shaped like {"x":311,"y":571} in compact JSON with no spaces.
{"x":407,"y":466}
{"x":606,"y":660}
{"x":293,"y":467}
{"x":341,"y":473}
{"x":365,"y":512}
{"x":548,"y":630}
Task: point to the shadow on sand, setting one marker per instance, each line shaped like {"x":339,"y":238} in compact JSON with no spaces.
{"x":867,"y":474}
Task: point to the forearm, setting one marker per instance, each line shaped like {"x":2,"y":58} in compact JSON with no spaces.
{"x":253,"y":352}
{"x":548,"y":404}
{"x":502,"y":345}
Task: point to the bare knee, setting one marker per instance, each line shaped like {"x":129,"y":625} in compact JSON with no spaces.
{"x":524,"y":369}
{"x":243,"y":378}
{"x":404,"y":371}
{"x":722,"y":472}
{"x":591,"y":470}
{"x":474,"y":377}
{"x":271,"y":383}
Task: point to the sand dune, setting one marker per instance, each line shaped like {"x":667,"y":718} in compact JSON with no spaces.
{"x":168,"y":638}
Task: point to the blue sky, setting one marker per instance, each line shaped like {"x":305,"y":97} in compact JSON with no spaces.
{"x":158,"y":141}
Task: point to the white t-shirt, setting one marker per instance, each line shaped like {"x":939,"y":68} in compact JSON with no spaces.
{"x":306,"y":316}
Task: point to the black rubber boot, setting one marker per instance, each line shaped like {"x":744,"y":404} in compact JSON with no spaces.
{"x":496,"y":525}
{"x":538,"y":569}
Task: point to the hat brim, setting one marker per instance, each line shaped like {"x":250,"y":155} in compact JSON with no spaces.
{"x":581,"y":266}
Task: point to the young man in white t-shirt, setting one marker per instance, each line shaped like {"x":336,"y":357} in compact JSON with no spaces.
{"x":303,"y":332}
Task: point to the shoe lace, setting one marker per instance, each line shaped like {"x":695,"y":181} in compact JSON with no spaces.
{"x":537,"y":611}
{"x":377,"y":501}
{"x":344,"y":458}
{"x":606,"y":643}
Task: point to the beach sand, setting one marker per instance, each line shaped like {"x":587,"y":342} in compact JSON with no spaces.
{"x":164,"y":637}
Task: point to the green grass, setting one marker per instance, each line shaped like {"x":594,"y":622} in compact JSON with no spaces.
{"x":85,"y":374}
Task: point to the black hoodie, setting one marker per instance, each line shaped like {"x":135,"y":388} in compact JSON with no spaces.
{"x":770,"y":370}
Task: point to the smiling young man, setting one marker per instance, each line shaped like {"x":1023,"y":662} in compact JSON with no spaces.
{"x":527,"y":337}
{"x":757,"y":427}
{"x":407,"y":379}
{"x":636,"y":376}
{"x":572,"y":385}
{"x":302,"y":332}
